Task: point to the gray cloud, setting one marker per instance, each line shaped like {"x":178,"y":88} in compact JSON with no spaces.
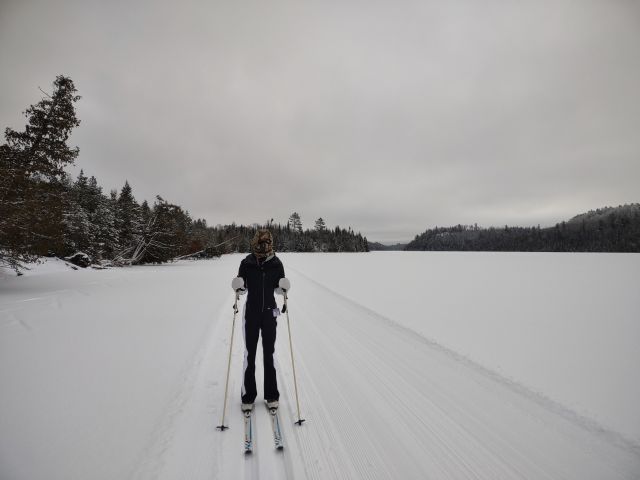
{"x":387,"y":117}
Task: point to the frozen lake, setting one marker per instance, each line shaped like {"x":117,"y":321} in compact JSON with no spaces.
{"x":410,"y":365}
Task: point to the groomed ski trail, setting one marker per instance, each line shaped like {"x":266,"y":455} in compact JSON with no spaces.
{"x":380,"y":402}
{"x":186,"y":443}
{"x":399,"y":402}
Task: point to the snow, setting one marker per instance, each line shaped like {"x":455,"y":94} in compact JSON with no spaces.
{"x":409,"y":365}
{"x":564,"y":325}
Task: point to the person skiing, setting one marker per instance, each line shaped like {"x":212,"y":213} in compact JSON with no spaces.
{"x":261,"y":274}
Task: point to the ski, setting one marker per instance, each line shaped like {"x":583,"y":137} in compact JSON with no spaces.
{"x":275,"y":426}
{"x":248,"y":431}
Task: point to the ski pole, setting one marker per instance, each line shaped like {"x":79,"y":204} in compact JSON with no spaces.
{"x":222,"y":426}
{"x":293,"y":364}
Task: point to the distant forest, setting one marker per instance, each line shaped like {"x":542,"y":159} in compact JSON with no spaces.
{"x":609,"y":229}
{"x":43,"y":212}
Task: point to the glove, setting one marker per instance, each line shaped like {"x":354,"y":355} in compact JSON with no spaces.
{"x":283,"y":286}
{"x":238,"y":285}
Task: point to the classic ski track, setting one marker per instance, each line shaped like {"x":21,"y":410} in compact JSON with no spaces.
{"x":433,"y":413}
{"x":545,"y":402}
{"x":152,"y":462}
{"x":197,"y":409}
{"x":268,"y":462}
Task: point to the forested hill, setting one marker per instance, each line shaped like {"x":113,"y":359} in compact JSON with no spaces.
{"x":383,"y":247}
{"x":608,"y":229}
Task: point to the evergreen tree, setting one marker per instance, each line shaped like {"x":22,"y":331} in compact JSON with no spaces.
{"x":146,"y":216}
{"x":105,"y":229}
{"x":77,"y":222}
{"x":32,"y":188}
{"x":128,"y":223}
{"x":168,"y":236}
{"x":295,"y":223}
{"x":79,"y":217}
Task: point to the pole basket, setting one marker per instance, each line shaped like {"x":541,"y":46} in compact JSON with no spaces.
{"x":222,"y":428}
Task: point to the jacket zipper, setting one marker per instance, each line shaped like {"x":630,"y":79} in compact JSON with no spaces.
{"x":263,"y":273}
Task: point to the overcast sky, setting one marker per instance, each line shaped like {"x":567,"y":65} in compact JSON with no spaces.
{"x":387,"y":116}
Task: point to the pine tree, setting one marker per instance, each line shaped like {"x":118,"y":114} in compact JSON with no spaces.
{"x":104,"y":224}
{"x":169,"y":237}
{"x":32,"y":188}
{"x":128,"y":224}
{"x":295,"y":223}
{"x":78,"y":221}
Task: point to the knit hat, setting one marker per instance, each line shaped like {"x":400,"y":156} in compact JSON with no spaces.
{"x":262,"y":243}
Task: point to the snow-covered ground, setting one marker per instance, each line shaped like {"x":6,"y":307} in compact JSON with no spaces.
{"x":410,"y":365}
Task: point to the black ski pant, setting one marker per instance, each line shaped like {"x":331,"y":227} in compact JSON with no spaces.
{"x":254,"y":323}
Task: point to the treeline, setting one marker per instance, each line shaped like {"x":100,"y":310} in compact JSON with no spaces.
{"x":116,"y":229}
{"x":610,"y":229}
{"x":45,"y":213}
{"x":291,"y":237}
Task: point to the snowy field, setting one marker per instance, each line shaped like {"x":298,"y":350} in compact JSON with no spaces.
{"x":410,"y":365}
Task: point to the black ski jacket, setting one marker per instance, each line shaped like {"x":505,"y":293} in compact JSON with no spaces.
{"x":260,"y":280}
